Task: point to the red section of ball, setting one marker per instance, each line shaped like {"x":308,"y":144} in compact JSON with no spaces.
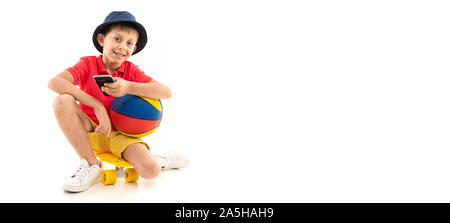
{"x":132,"y":125}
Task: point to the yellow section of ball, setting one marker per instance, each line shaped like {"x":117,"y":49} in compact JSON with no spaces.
{"x":155,"y":102}
{"x":139,"y":135}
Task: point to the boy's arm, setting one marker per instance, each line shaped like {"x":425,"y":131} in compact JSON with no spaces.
{"x":63,"y":84}
{"x":153,"y":89}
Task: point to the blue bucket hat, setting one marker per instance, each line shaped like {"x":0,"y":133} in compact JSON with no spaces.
{"x":121,"y":16}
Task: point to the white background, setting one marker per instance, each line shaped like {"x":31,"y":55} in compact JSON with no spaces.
{"x":274,"y":101}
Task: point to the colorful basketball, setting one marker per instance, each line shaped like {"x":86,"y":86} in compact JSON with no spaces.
{"x":136,"y":116}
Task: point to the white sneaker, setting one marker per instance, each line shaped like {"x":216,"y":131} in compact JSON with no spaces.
{"x":83,"y":178}
{"x":173,"y":160}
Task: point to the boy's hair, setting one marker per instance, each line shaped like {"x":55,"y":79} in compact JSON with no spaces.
{"x":122,"y":25}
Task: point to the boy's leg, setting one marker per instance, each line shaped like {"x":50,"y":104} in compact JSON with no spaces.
{"x":145,"y":163}
{"x":75,"y":126}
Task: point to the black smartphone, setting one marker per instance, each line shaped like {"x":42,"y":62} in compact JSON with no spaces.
{"x":102,"y":79}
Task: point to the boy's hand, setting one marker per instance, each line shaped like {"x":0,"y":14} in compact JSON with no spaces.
{"x":104,"y":123}
{"x":116,"y":89}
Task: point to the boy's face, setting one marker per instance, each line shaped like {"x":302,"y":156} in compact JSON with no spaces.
{"x":118,"y":44}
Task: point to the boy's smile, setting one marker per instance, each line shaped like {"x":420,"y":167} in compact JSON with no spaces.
{"x":118,"y":45}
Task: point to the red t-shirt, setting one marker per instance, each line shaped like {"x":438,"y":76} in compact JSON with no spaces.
{"x":89,"y":66}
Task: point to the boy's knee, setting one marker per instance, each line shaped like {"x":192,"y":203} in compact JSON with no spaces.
{"x":63,"y":102}
{"x":150,"y":170}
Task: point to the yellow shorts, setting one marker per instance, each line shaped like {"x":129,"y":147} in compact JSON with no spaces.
{"x":116,"y":143}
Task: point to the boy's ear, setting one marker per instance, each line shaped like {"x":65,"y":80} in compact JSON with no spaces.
{"x":134,"y":50}
{"x":100,"y":39}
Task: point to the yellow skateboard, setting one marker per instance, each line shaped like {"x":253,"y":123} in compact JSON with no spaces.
{"x":109,"y":176}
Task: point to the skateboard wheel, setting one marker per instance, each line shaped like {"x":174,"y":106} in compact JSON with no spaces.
{"x":108,"y":177}
{"x":131,"y":175}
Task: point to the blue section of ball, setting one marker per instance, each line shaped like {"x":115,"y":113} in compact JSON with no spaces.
{"x":136,"y":107}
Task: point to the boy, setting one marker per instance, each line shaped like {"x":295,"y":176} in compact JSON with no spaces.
{"x":87,"y":126}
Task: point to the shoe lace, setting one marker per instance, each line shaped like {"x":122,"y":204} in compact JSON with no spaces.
{"x":171,"y":156}
{"x":170,"y":159}
{"x":81,"y":172}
